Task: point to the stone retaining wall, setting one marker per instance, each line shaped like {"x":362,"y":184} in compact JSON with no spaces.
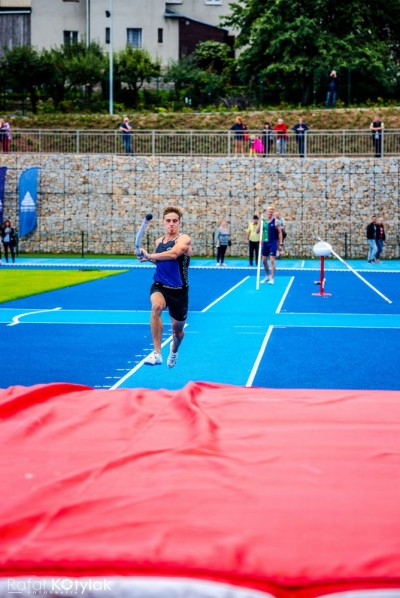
{"x":103,"y":198}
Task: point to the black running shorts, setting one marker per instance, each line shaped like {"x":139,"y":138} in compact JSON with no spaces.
{"x":177,"y":300}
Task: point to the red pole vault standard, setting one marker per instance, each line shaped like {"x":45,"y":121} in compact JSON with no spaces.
{"x":322,"y":250}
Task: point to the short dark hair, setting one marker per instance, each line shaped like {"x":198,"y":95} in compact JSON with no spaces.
{"x":174,"y":209}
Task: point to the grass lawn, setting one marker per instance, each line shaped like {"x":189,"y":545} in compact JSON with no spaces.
{"x":15,"y":284}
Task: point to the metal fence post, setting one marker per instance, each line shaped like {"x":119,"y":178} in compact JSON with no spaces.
{"x":83,"y":243}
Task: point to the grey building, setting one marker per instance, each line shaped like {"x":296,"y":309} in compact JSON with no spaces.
{"x":167,"y":30}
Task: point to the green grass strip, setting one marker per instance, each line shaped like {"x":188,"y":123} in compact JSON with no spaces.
{"x":16,"y":284}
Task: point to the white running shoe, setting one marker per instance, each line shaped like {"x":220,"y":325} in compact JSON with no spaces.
{"x":266,"y":279}
{"x":172,"y":358}
{"x":271,"y":281}
{"x":153,"y":359}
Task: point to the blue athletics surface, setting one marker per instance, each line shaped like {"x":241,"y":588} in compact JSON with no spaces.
{"x":279,"y":336}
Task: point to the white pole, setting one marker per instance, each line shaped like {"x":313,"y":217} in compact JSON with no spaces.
{"x":111,"y":72}
{"x":358,"y":275}
{"x":87,"y":23}
{"x":259,"y":255}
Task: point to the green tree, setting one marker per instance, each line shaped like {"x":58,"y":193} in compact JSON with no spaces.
{"x":26,"y":72}
{"x":213,"y":57}
{"x":84,"y":66}
{"x":286,"y":42}
{"x":134,"y":67}
{"x":201,"y":86}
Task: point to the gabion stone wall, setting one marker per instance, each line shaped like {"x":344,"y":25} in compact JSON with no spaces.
{"x":100,"y":200}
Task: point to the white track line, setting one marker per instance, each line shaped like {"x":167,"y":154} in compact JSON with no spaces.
{"x":224,"y":295}
{"x":278,"y":309}
{"x":16,"y":319}
{"x":137,"y":366}
{"x":259,"y":357}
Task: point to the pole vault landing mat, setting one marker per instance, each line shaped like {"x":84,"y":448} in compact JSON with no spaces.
{"x":209,"y":490}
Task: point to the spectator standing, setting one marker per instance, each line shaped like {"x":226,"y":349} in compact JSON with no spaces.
{"x":377,"y":127}
{"x":126,"y":130}
{"x":240,"y":135}
{"x":8,"y":238}
{"x":253,"y":238}
{"x":380,"y":238}
{"x":281,"y":137}
{"x":267,"y":138}
{"x":5,"y":135}
{"x":371,"y":238}
{"x":332,"y":90}
{"x":300,"y":129}
{"x":222,"y":241}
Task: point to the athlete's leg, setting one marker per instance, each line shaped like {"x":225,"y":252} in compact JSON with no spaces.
{"x":177,"y":334}
{"x":273,"y":266}
{"x":266,"y":265}
{"x":158,"y":304}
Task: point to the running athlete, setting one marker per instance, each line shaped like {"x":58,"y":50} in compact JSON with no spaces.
{"x":170,"y":287}
{"x":271,"y":241}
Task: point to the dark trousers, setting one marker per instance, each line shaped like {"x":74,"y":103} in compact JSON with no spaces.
{"x":377,"y":140}
{"x":126,"y":140}
{"x":253,"y":252}
{"x":301,"y":142}
{"x":9,"y":247}
{"x":379,"y":245}
{"x":221,"y":250}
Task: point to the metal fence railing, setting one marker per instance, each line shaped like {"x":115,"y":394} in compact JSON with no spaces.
{"x":317,"y":143}
{"x":348,"y":244}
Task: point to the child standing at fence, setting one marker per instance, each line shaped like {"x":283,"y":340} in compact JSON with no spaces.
{"x":256,"y":146}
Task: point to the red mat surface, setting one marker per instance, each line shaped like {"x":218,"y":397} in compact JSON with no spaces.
{"x":294,"y":492}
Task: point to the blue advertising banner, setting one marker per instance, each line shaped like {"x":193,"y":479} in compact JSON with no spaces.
{"x":27,"y":200}
{"x":3,"y":171}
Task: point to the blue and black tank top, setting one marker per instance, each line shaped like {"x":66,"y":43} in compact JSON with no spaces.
{"x":172,"y":273}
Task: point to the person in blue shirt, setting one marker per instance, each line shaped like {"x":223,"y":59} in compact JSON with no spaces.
{"x":332,"y":90}
{"x":300,"y":129}
{"x":240,"y":135}
{"x":126,"y":130}
{"x":171,"y":285}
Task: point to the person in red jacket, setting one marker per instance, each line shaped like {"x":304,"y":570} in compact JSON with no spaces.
{"x":281,"y":137}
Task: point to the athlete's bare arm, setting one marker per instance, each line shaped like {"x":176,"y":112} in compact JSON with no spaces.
{"x":183,"y":246}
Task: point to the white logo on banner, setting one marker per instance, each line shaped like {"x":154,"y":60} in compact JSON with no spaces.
{"x":28,"y":204}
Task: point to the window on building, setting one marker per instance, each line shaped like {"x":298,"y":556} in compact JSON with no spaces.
{"x":217,"y":2}
{"x":108,"y":35}
{"x":134,"y":38}
{"x":160,"y":36}
{"x":70,"y":37}
{"x":70,"y":0}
